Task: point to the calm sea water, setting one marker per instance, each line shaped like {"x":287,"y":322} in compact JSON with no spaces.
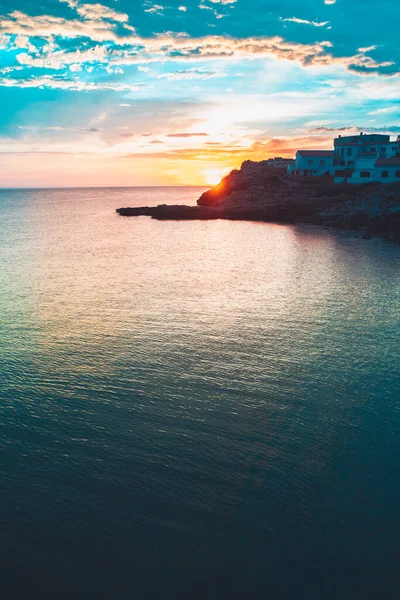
{"x":194,"y":409}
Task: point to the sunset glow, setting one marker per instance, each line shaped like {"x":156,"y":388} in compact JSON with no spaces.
{"x":105,"y":94}
{"x":214,"y":176}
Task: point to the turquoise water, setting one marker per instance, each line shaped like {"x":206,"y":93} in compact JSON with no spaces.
{"x":194,"y":409}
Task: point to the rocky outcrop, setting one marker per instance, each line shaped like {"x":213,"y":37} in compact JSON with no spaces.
{"x":171,"y":212}
{"x":257,"y":192}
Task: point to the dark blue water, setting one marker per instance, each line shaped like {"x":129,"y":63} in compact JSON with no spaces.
{"x":194,"y":410}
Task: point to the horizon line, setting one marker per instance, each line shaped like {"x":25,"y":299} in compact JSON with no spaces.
{"x":101,"y":187}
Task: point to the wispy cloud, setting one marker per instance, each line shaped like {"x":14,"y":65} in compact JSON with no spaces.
{"x":61,"y":129}
{"x":306,"y":22}
{"x":155,"y":9}
{"x":63,"y":83}
{"x":186,"y":135}
{"x":367,"y":49}
{"x":385,"y":111}
{"x":356,"y":129}
{"x":96,"y":12}
{"x":193,"y":73}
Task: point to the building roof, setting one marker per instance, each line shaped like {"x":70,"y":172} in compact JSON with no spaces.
{"x":317,"y":153}
{"x":388,"y":162}
{"x":362,"y":140}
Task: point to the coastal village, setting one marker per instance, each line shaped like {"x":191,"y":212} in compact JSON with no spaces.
{"x":318,"y":187}
{"x":354,"y":159}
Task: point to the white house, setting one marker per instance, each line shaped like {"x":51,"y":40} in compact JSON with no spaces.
{"x":355,"y":159}
{"x":372,"y":168}
{"x":387,"y":169}
{"x":313,"y":162}
{"x":347,"y":148}
{"x":364,"y":168}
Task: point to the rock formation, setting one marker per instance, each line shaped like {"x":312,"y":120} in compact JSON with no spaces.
{"x":258,"y":192}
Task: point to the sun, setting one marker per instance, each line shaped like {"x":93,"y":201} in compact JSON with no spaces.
{"x":214,"y":176}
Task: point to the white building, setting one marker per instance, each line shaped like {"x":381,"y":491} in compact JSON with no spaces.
{"x":387,"y":169}
{"x":313,"y":163}
{"x":355,"y":159}
{"x":372,"y":168}
{"x":349,"y":147}
{"x":364,"y":168}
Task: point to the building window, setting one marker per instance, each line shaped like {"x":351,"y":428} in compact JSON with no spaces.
{"x":309,"y":162}
{"x":348,"y":151}
{"x":342,"y":151}
{"x":322,"y":162}
{"x":373,"y":149}
{"x":351,"y":162}
{"x":383,"y":149}
{"x":385,"y":174}
{"x":397,"y":174}
{"x":365,"y":174}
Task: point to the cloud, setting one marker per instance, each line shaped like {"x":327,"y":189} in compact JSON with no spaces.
{"x":18,"y":23}
{"x":288,"y":145}
{"x":62,"y":129}
{"x":21,"y":41}
{"x":330,"y":1}
{"x":367,"y":49}
{"x":190,"y":74}
{"x":356,"y":129}
{"x":64,"y":83}
{"x":385,"y":111}
{"x":258,"y":150}
{"x":7,"y":70}
{"x":322,"y":128}
{"x":97,"y":22}
{"x":4,"y":41}
{"x":186,"y":135}
{"x":59,"y":59}
{"x":117,"y":44}
{"x":155,"y":9}
{"x":168,"y":47}
{"x":306,"y":22}
{"x":96,"y":12}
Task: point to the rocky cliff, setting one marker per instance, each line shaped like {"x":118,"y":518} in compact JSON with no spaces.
{"x":257,"y":192}
{"x":372,"y":207}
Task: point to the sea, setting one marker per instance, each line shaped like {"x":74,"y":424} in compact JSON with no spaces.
{"x":194,"y":410}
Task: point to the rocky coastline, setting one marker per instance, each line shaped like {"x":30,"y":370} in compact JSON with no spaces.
{"x":256,"y":192}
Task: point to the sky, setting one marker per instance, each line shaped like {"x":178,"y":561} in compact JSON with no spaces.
{"x":131,"y":92}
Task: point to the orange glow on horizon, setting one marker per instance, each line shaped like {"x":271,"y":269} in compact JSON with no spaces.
{"x":214,"y":176}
